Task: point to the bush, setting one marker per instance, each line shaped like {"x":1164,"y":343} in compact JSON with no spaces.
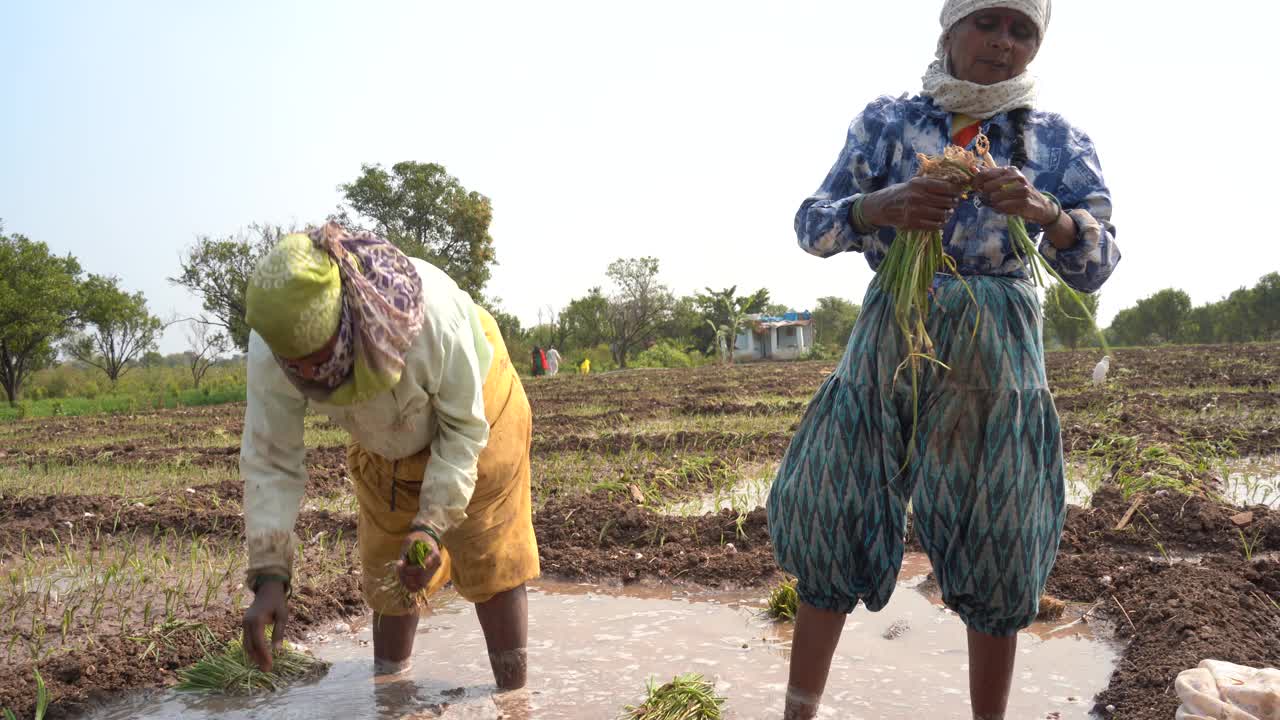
{"x":821,"y":351}
{"x":601,"y":360}
{"x":665,"y":354}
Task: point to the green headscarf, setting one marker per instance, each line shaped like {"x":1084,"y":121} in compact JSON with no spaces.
{"x":294,"y":299}
{"x":330,"y":282}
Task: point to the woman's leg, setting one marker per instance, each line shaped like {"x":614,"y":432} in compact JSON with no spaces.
{"x":990,"y":673}
{"x":504,"y":618}
{"x":838,"y":504}
{"x":393,"y":641}
{"x":813,"y":646}
{"x":989,"y":497}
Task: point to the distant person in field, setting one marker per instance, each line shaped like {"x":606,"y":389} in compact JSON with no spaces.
{"x":553,"y":362}
{"x":985,"y":473}
{"x":394,"y":352}
{"x":539,"y":362}
{"x":585,"y":367}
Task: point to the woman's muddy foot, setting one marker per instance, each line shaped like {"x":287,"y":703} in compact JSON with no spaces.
{"x":510,"y":668}
{"x":383,"y":667}
{"x":801,"y":705}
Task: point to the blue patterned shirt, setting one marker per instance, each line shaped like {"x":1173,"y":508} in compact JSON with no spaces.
{"x":881,"y":151}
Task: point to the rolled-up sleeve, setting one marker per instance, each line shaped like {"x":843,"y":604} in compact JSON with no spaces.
{"x":272,"y":462}
{"x":1088,"y":263}
{"x":455,"y":383}
{"x":823,"y":225}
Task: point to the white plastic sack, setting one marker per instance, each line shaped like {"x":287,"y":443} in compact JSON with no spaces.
{"x":1217,"y":690}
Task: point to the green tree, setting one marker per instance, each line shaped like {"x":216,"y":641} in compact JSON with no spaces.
{"x":725,"y":311}
{"x":1127,"y":328}
{"x":586,"y":320}
{"x":1162,"y":317}
{"x":1265,"y":307}
{"x":217,"y":271}
{"x":119,"y":328}
{"x":39,"y":304}
{"x":1234,"y":317}
{"x":775,"y":309}
{"x":639,"y":305}
{"x":683,"y":325}
{"x":1167,"y":312}
{"x":834,"y":319}
{"x":1064,"y":318}
{"x":1204,"y":323}
{"x":428,"y":214}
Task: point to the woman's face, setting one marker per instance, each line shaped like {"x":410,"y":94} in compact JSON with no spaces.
{"x":992,"y":46}
{"x":308,"y":368}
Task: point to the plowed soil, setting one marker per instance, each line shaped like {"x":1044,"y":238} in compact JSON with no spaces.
{"x":1166,"y":569}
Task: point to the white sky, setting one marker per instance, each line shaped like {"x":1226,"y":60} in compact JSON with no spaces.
{"x":688,"y":131}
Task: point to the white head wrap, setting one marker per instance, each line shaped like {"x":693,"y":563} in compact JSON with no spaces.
{"x":983,"y":101}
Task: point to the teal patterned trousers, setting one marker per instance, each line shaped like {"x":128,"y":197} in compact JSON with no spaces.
{"x":985,"y":476}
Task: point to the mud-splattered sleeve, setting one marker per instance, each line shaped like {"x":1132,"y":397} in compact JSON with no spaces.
{"x":272,"y":456}
{"x":1086,"y":265}
{"x":823,"y":226}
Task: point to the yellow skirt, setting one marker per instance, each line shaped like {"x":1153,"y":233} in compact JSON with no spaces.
{"x":494,"y":549}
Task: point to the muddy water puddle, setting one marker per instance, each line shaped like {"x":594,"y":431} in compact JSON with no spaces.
{"x":1252,"y":481}
{"x":592,"y":650}
{"x":752,"y":490}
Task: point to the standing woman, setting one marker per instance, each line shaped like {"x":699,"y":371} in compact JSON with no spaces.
{"x":986,"y":468}
{"x":395,"y":353}
{"x":553,"y":362}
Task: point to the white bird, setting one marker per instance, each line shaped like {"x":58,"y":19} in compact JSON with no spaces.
{"x":1100,"y":370}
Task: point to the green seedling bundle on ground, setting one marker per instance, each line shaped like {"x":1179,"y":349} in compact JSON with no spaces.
{"x":686,"y":697}
{"x":783,"y":601}
{"x":229,"y":670}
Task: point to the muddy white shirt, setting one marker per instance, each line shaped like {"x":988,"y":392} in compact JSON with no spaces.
{"x":439,"y":402}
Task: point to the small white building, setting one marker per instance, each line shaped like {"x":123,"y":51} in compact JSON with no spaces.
{"x":766,"y":337}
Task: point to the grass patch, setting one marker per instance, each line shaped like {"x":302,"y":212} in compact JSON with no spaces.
{"x":686,"y":697}
{"x":342,"y":503}
{"x":80,"y":441}
{"x":134,"y":482}
{"x":587,"y":410}
{"x":738,"y":424}
{"x":120,"y":405}
{"x":229,"y":671}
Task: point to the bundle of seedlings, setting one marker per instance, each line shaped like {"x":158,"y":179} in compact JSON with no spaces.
{"x":782,"y":601}
{"x":229,"y":670}
{"x":916,"y":256}
{"x":417,"y":555}
{"x":686,"y":697}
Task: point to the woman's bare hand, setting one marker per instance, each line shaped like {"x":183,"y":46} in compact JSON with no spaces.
{"x":921,"y":203}
{"x":1006,"y":190}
